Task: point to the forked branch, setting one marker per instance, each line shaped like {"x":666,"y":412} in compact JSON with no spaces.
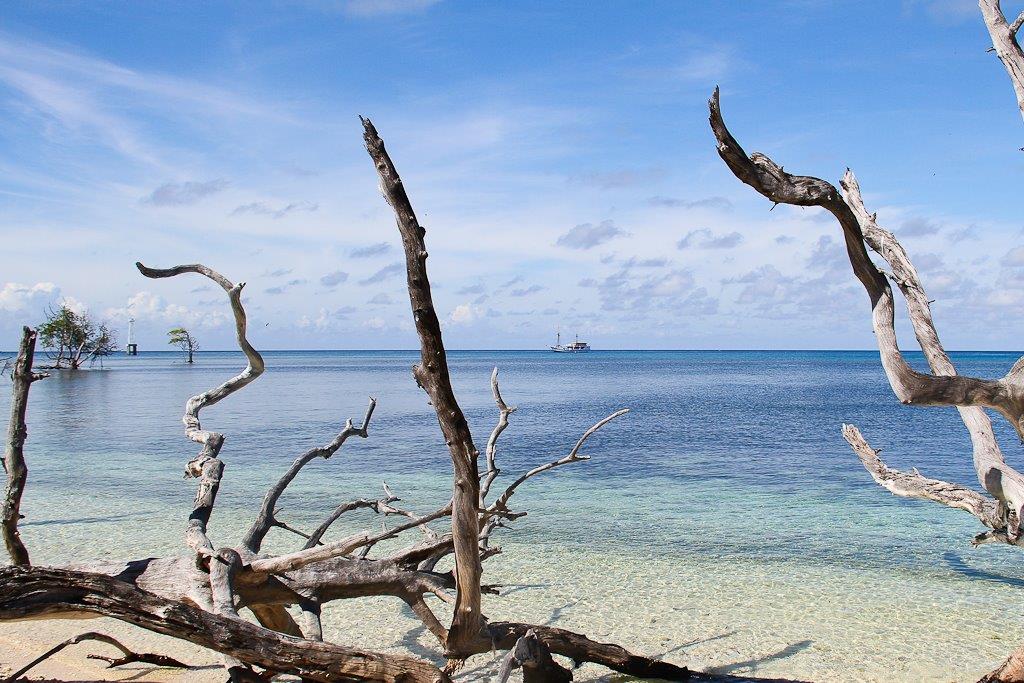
{"x":265,"y":519}
{"x":911,"y":387}
{"x":504,"y":410}
{"x":127,"y":656}
{"x":500,"y":504}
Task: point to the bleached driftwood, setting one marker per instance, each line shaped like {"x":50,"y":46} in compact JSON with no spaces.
{"x":1002,"y":511}
{"x":1006,"y":45}
{"x":14,"y":448}
{"x":199,"y":597}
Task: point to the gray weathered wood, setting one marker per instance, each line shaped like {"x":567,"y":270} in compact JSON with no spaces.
{"x":35,"y":593}
{"x":1006,"y":45}
{"x":431,"y":374}
{"x":14,"y":448}
{"x":911,"y":387}
{"x":207,"y":466}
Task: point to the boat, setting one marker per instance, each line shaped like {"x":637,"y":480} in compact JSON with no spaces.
{"x":575,"y":347}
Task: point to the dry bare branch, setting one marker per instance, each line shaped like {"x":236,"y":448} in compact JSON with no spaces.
{"x":297,"y":560}
{"x":14,"y":448}
{"x":1004,"y":41}
{"x":207,"y":466}
{"x":432,"y":375}
{"x":265,"y":520}
{"x":992,"y":470}
{"x":504,"y":410}
{"x":127,"y":656}
{"x":318,"y":533}
{"x":35,"y":593}
{"x":911,"y":387}
{"x":581,"y":649}
{"x":915,"y":485}
{"x":501,"y":503}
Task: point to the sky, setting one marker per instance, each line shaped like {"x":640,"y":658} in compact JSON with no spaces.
{"x":558,"y":155}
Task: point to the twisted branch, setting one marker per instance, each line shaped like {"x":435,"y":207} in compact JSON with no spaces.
{"x":207,"y":466}
{"x":492,"y":443}
{"x":911,"y":387}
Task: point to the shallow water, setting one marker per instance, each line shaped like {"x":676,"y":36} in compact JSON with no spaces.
{"x":723,"y":522}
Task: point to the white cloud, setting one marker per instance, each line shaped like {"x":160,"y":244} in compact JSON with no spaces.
{"x":31,"y":298}
{"x":148,"y":307}
{"x":463,"y":313}
{"x":375,"y":8}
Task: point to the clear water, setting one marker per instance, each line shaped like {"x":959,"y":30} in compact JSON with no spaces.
{"x":723,"y":522}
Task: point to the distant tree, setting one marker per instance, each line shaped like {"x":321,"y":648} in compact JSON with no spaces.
{"x":72,"y":338}
{"x":184,"y":340}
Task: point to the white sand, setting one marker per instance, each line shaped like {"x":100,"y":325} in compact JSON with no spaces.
{"x":21,"y":642}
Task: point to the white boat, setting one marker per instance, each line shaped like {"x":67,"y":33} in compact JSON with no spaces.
{"x":575,"y":347}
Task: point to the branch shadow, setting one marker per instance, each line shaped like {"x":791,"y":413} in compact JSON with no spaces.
{"x":508,"y":589}
{"x":957,"y":564}
{"x":410,"y":640}
{"x":753,"y":663}
{"x":82,"y":520}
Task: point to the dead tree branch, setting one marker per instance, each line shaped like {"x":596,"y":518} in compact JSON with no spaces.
{"x":911,"y":387}
{"x":14,"y":449}
{"x":504,"y":410}
{"x":39,"y":593}
{"x":915,"y":485}
{"x":501,"y":503}
{"x":265,"y":520}
{"x":1004,"y":41}
{"x":375,"y":505}
{"x":532,"y":656}
{"x":207,"y":466}
{"x":581,"y":649}
{"x":432,"y":375}
{"x":127,"y":656}
{"x":303,"y":558}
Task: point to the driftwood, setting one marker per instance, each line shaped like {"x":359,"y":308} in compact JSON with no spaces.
{"x":1002,"y":509}
{"x":1005,"y":44}
{"x":466,"y":634}
{"x":127,"y":656}
{"x":198,"y":597}
{"x":14,"y":450}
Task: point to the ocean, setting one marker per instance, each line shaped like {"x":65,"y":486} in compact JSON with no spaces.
{"x":723,"y":523}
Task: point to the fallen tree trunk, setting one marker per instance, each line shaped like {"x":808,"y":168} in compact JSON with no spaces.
{"x":34,"y":593}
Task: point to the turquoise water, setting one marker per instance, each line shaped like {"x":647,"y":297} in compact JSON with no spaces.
{"x":723,"y":521}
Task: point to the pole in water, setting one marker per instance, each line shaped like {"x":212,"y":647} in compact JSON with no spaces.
{"x":132,"y":348}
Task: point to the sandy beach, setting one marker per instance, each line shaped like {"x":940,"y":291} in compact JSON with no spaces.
{"x":20,"y":642}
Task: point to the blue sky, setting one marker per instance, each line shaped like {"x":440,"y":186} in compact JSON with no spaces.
{"x":558,"y":154}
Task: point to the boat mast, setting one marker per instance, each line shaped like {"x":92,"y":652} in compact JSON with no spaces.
{"x":558,"y":336}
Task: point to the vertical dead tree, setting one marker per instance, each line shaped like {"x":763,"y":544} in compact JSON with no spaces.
{"x":466,"y":634}
{"x":14,"y":448}
{"x":1002,"y":512}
